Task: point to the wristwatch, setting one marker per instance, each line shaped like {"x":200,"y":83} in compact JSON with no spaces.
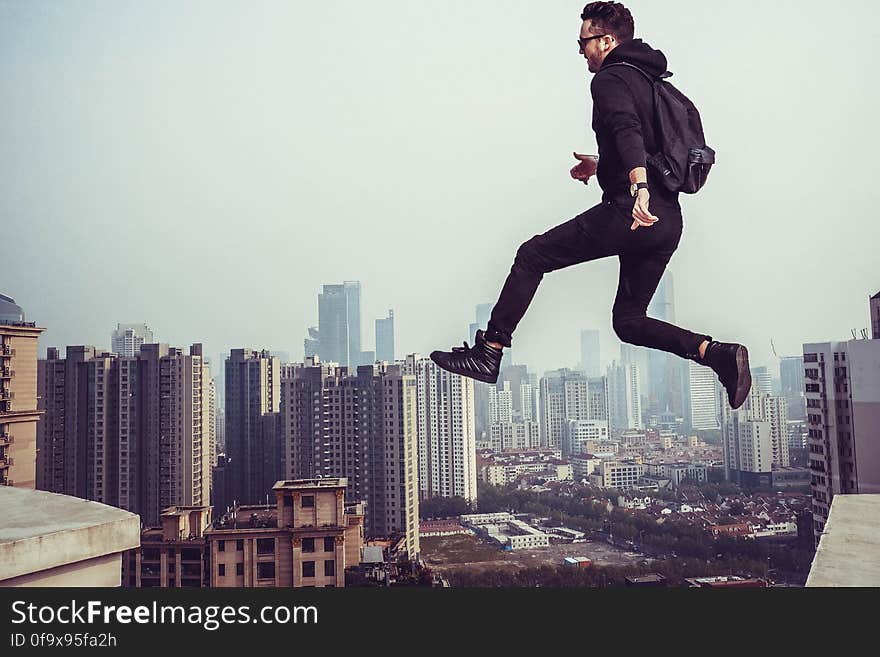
{"x":635,"y":187}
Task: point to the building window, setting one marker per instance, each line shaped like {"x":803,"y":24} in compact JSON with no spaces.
{"x":222,"y":571}
{"x":308,"y":501}
{"x":266,"y":570}
{"x":222,"y":546}
{"x":265,"y":546}
{"x":308,"y":545}
{"x":308,"y":569}
{"x":329,"y":544}
{"x":239,"y":545}
{"x":239,"y":569}
{"x":329,"y":567}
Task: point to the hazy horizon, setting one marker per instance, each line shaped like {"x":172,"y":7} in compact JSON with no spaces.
{"x":205,"y":168}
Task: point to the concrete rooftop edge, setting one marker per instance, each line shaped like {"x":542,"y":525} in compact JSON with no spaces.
{"x":40,"y":530}
{"x":849,"y":548}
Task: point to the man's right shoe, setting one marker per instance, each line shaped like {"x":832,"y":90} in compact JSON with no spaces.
{"x":731,"y":362}
{"x":481,"y":362}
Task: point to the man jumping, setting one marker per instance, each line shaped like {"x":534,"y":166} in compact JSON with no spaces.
{"x":622,"y":225}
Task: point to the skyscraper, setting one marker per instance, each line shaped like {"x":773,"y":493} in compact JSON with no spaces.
{"x":385,"y":338}
{"x":133,"y":432}
{"x":353,"y":303}
{"x":127,"y":339}
{"x":339,"y":325}
{"x":762,"y":380}
{"x":361,"y":427}
{"x":509,"y":430}
{"x":791,"y":373}
{"x":624,"y":397}
{"x":312,"y":344}
{"x":590,"y":361}
{"x":483,"y":313}
{"x":755,"y":438}
{"x":667,"y":374}
{"x":703,"y":399}
{"x":568,"y":395}
{"x":446,"y":433}
{"x":19,"y":408}
{"x":333,"y":341}
{"x":253,"y":396}
{"x":842,"y":385}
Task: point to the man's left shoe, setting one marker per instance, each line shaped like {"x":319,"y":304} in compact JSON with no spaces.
{"x":481,"y":362}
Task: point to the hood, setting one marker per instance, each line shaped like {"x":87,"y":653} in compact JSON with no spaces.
{"x":638,"y":53}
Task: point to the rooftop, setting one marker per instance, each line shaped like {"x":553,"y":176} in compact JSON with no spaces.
{"x":849,"y":548}
{"x":325,"y":482}
{"x":41,"y":531}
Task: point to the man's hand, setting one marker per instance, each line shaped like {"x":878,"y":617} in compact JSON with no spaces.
{"x":641,"y":215}
{"x":585,"y":168}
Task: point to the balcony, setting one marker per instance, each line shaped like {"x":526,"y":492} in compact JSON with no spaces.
{"x":6,"y":439}
{"x":6,"y":373}
{"x":5,"y":395}
{"x":6,"y":350}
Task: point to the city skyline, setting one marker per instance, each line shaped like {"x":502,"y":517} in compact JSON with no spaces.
{"x":137,"y":137}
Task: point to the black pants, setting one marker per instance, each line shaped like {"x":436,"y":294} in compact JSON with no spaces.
{"x":602,"y":231}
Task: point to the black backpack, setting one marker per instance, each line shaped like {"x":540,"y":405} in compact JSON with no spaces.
{"x":684,"y":159}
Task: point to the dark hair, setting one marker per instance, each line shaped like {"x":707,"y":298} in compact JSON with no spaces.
{"x":610,"y":18}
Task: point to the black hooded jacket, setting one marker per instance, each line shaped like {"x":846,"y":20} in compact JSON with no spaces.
{"x":623,"y":119}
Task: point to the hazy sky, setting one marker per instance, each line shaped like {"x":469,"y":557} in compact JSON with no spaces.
{"x":206,"y":166}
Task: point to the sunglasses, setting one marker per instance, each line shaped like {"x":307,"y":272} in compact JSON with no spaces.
{"x":582,"y":41}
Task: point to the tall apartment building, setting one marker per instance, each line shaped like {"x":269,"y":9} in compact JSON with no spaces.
{"x":501,"y":404}
{"x":446,"y":434}
{"x":135,"y":433}
{"x":569,"y":395}
{"x":385,"y":338}
{"x":624,"y":397}
{"x":361,"y":428}
{"x":755,"y":438}
{"x":590,"y":363}
{"x":507,"y":430}
{"x":19,"y":411}
{"x":509,"y":436}
{"x":843,"y":415}
{"x":307,"y":538}
{"x":127,"y":339}
{"x":702,"y":398}
{"x":253,"y":399}
{"x":523,"y":391}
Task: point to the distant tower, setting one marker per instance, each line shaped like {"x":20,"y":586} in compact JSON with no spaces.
{"x":127,"y":339}
{"x":385,"y":338}
{"x":590,"y":362}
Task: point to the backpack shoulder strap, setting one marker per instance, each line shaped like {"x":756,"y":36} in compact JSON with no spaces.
{"x":651,"y":78}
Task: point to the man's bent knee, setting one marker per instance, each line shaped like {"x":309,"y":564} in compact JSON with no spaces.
{"x":527,"y":257}
{"x":628,"y":329}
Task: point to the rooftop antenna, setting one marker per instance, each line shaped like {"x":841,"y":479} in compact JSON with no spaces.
{"x":864,"y":334}
{"x":853,"y":331}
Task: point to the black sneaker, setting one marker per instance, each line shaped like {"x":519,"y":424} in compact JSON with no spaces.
{"x":481,"y":362}
{"x":731,"y":362}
